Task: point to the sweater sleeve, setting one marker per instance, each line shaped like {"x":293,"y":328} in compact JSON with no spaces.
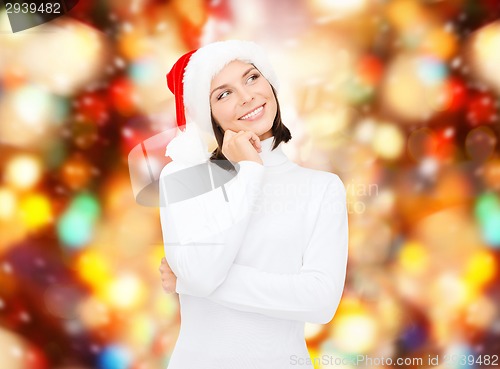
{"x":195,"y":230}
{"x":314,"y":293}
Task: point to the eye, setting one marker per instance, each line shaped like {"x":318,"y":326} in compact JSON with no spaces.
{"x":253,"y":77}
{"x":223,"y":95}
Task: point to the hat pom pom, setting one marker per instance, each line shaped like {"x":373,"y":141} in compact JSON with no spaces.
{"x":188,"y":147}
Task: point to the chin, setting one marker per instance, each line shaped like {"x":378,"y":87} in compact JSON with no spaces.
{"x":261,"y":132}
{"x":256,"y":127}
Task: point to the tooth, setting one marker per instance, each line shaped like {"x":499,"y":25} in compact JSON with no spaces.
{"x":255,"y":112}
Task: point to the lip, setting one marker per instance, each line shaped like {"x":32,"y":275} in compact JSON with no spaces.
{"x":256,"y":116}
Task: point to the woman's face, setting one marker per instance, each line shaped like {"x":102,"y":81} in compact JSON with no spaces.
{"x":242,"y":99}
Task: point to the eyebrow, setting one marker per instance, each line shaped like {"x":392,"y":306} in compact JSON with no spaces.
{"x":226,"y":85}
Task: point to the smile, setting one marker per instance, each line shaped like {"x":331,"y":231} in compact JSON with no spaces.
{"x":254,"y":113}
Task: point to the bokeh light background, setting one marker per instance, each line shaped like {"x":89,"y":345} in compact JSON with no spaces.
{"x":400,"y":98}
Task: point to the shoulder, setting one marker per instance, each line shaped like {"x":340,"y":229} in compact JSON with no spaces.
{"x":322,"y":186}
{"x":320,"y":177}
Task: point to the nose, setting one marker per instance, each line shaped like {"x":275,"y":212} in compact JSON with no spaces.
{"x":245,"y":96}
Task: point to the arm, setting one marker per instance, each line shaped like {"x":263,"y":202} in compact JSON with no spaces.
{"x":314,"y":293}
{"x":195,"y":230}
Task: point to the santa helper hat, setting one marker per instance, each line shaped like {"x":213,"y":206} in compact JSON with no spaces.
{"x":190,"y":79}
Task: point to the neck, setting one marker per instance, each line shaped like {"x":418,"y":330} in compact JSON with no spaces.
{"x":269,"y":156}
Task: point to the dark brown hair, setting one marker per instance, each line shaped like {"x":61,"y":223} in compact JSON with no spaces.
{"x":280,"y":132}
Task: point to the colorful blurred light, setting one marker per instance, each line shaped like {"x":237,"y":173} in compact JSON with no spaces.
{"x":132,"y":43}
{"x":451,"y":292}
{"x":25,"y":115}
{"x":413,"y":257}
{"x":54,"y":154}
{"x":487,"y":211}
{"x":370,"y":69}
{"x":69,"y":55}
{"x":328,"y":127}
{"x":33,"y":105}
{"x":76,"y":226}
{"x":413,"y":337}
{"x":480,"y":143}
{"x":354,"y":329}
{"x":84,"y":134}
{"x":36,"y":211}
{"x":23,"y":171}
{"x":484,"y":48}
{"x":425,"y":242}
{"x":486,"y":204}
{"x":460,"y":356}
{"x":140,"y":331}
{"x":93,"y":268}
{"x":9,"y":203}
{"x":93,"y":313}
{"x":126,"y":291}
{"x":155,"y":254}
{"x":406,"y":14}
{"x":165,"y":305}
{"x":88,"y":205}
{"x":76,"y":172}
{"x":74,"y":229}
{"x":142,"y":71}
{"x":491,"y":174}
{"x":114,"y":357}
{"x":444,"y":147}
{"x":312,"y":331}
{"x":314,"y":354}
{"x":456,"y":94}
{"x":441,"y":43}
{"x":356,"y":91}
{"x":92,"y":107}
{"x":481,"y":312}
{"x":424,"y":78}
{"x":61,"y":300}
{"x":13,"y":77}
{"x":122,"y":96}
{"x":388,"y":141}
{"x":420,"y":143}
{"x":337,"y":8}
{"x":356,"y":333}
{"x":491,"y":229}
{"x":36,"y":358}
{"x":481,"y":109}
{"x":12,"y":349}
{"x":480,"y":268}
{"x":431,"y":70}
{"x":365,"y":130}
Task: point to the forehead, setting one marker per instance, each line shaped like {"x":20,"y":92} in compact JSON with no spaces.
{"x":233,"y":70}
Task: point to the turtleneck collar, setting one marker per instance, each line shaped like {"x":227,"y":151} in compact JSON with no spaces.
{"x":272,"y":157}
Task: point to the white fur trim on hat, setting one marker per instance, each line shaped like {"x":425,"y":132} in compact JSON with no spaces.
{"x":209,"y":60}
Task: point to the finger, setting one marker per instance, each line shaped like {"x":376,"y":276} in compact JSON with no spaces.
{"x":228,"y":135}
{"x":255,"y":140}
{"x":257,"y":146}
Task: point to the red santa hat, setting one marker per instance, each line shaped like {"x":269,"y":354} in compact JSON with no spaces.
{"x":191,"y":76}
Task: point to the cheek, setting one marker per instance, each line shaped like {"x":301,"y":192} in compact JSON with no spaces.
{"x":223,"y":116}
{"x":274,"y":107}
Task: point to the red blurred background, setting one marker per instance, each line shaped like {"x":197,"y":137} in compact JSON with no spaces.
{"x":399,"y":98}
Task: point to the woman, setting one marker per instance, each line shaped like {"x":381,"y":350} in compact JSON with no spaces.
{"x":246,"y":289}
